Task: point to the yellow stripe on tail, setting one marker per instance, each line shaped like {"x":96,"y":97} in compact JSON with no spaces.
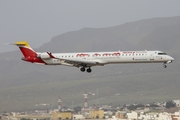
{"x":22,"y":43}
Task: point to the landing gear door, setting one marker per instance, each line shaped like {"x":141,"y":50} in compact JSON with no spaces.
{"x":152,"y":56}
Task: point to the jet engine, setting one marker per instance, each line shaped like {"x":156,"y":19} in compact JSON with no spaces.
{"x":43,"y":55}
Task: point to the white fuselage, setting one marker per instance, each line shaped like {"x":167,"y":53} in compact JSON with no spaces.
{"x":102,"y":58}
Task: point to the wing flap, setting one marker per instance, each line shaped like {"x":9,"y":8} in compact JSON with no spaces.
{"x":79,"y":63}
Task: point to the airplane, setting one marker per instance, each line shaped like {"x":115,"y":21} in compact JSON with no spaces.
{"x":86,"y":60}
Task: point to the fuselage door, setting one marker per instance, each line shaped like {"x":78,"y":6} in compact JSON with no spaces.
{"x":151,"y":56}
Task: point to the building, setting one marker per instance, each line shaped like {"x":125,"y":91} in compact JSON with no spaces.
{"x":132,"y":116}
{"x":78,"y":117}
{"x":121,"y":115}
{"x":177,"y":102}
{"x":96,"y":114}
{"x":61,"y":115}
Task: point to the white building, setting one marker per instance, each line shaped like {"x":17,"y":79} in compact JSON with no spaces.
{"x":132,"y":116}
{"x":149,"y":116}
{"x":78,"y":117}
{"x":177,"y":102}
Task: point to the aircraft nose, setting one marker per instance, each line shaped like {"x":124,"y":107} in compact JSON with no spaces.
{"x":171,"y":58}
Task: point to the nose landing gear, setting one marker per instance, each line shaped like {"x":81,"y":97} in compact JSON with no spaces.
{"x":164,"y":65}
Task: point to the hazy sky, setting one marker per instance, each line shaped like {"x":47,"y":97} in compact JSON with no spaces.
{"x":37,"y":21}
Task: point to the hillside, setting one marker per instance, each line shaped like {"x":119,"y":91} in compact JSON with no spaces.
{"x":24,"y":84}
{"x":145,"y":87}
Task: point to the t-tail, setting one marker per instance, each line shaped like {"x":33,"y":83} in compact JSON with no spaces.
{"x":29,"y":54}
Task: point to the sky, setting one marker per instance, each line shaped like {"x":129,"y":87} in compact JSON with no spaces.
{"x":37,"y":21}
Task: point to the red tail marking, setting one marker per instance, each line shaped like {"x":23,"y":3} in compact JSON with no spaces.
{"x":30,"y":55}
{"x":27,"y":52}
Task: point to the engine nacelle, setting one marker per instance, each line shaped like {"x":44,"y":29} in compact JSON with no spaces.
{"x":43,"y":55}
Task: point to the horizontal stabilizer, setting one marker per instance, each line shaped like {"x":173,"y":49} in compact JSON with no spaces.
{"x":8,"y":43}
{"x":22,"y":43}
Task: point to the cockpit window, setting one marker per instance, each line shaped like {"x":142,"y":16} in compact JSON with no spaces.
{"x":162,"y":54}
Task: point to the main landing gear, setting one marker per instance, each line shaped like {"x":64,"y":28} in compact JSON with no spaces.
{"x":88,"y":70}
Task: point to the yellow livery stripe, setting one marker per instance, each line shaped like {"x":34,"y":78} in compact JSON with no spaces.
{"x":22,"y":43}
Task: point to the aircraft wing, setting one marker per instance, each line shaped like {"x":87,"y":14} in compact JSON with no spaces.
{"x":79,"y":63}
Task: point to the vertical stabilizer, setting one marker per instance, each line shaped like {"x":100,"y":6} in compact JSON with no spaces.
{"x":25,"y":49}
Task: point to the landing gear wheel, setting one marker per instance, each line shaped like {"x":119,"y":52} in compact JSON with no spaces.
{"x":165,"y":66}
{"x":82,"y":69}
{"x":89,"y":70}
